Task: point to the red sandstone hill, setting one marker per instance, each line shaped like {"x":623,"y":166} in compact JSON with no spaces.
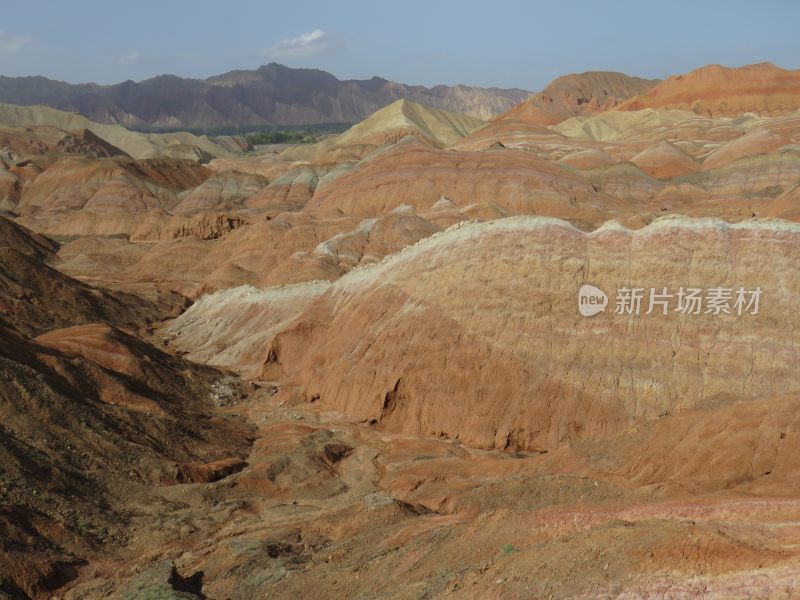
{"x":578,"y":94}
{"x":715,"y":90}
{"x":473,"y":333}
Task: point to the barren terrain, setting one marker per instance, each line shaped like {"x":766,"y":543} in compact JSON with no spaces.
{"x":357,"y":368}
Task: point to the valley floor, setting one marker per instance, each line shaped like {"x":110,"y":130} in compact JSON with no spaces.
{"x":330,"y":509}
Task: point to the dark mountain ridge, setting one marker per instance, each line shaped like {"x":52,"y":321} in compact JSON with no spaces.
{"x":271,"y":96}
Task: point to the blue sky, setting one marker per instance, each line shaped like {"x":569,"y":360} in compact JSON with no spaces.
{"x":497,"y":43}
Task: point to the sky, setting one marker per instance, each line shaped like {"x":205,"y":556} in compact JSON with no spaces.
{"x":500,"y":43}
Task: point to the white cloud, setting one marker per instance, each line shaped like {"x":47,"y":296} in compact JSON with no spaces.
{"x":313,"y":43}
{"x":130,"y":59}
{"x":11,"y":43}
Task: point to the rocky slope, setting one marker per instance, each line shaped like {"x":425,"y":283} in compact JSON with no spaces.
{"x":91,"y":417}
{"x":35,"y":297}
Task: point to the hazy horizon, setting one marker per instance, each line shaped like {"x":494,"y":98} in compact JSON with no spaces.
{"x":515,"y":44}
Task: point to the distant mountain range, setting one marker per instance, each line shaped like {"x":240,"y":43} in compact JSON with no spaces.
{"x":272,"y":95}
